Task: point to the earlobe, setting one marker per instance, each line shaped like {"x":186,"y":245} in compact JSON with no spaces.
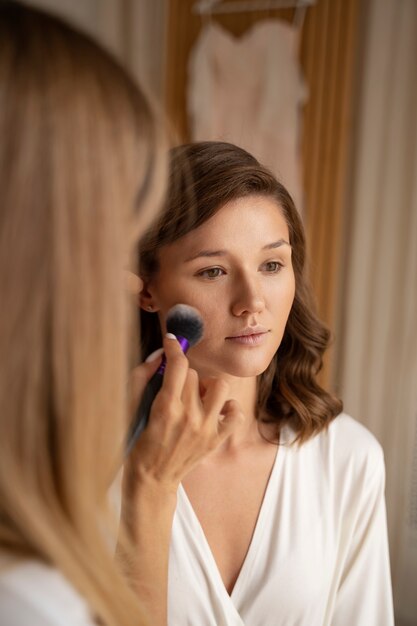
{"x":146,"y":305}
{"x":149,"y":308}
{"x":146,"y":299}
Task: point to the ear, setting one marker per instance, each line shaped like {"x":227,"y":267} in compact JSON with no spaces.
{"x":147,"y":299}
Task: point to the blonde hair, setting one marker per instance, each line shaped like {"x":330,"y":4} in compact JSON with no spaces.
{"x":81,"y":167}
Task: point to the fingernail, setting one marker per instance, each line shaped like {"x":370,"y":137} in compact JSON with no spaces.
{"x":154,"y":355}
{"x":170,"y":336}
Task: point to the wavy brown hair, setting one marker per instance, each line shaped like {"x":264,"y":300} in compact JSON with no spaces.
{"x":204,"y":177}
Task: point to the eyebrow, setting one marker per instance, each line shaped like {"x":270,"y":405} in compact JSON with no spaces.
{"x":215,"y":253}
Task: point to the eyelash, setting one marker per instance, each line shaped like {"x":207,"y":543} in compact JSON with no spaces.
{"x":204,"y":273}
{"x":278,"y":266}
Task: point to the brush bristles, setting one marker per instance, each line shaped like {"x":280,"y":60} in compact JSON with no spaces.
{"x":185,"y":321}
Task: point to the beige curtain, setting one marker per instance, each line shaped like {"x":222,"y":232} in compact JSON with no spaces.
{"x":379,"y":362}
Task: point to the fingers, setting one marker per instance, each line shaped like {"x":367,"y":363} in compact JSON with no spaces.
{"x":225,"y":412}
{"x":156,"y":354}
{"x":176,"y":368}
{"x":215,"y":395}
{"x":188,"y":420}
{"x":232,"y":416}
{"x":191,"y":395}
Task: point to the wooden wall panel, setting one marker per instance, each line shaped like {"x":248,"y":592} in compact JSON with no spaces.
{"x":328,"y":50}
{"x":329,"y":59}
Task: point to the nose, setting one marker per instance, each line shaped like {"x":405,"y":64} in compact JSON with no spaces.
{"x":248,"y":297}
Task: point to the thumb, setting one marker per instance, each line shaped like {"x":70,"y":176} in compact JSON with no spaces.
{"x":231,"y":417}
{"x":140,"y":376}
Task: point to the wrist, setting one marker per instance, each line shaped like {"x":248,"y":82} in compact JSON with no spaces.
{"x":151,"y":489}
{"x":141,"y":488}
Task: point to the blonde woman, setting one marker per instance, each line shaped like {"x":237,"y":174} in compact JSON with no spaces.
{"x":81,"y":172}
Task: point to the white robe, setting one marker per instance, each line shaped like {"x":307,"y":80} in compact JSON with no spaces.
{"x":319,"y":552}
{"x":35,"y":594}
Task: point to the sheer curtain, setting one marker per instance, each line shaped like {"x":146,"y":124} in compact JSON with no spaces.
{"x":379,"y":361}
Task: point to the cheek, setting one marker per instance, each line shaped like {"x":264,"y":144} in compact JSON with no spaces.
{"x":168,"y":290}
{"x":168,"y":293}
{"x":290,"y":295}
{"x":284,"y":296}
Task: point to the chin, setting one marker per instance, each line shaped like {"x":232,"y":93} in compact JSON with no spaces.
{"x":239,"y":365}
{"x":246,"y":373}
{"x":246,"y":369}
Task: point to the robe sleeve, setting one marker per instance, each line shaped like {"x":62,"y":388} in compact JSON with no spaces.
{"x":364,"y":595}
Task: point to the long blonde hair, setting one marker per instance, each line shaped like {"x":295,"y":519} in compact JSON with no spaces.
{"x":81,"y":166}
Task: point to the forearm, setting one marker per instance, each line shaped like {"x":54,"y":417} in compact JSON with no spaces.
{"x":148,"y":515}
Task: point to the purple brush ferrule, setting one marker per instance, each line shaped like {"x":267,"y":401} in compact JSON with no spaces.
{"x":184,"y":343}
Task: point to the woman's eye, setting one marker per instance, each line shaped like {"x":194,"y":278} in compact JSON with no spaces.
{"x":272,"y":267}
{"x":211,"y":272}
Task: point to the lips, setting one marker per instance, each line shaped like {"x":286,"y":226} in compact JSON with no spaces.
{"x":249,"y":338}
{"x":248,"y":331}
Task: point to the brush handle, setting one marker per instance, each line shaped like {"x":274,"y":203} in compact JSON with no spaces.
{"x":142,"y":414}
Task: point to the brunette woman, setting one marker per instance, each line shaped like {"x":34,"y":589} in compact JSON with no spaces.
{"x":284,"y":523}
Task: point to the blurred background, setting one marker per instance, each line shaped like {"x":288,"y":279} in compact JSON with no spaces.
{"x":324,"y":92}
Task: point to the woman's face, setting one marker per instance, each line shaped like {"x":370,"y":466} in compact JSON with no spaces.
{"x":236,"y":270}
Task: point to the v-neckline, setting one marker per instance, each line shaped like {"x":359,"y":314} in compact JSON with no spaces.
{"x":252,"y":551}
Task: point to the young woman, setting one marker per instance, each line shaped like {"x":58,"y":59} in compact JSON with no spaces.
{"x":82,"y":170}
{"x":285,"y":522}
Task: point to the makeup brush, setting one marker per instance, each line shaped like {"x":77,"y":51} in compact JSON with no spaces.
{"x":186,"y":324}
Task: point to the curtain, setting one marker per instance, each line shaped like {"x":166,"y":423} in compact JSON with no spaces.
{"x":379,"y":359}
